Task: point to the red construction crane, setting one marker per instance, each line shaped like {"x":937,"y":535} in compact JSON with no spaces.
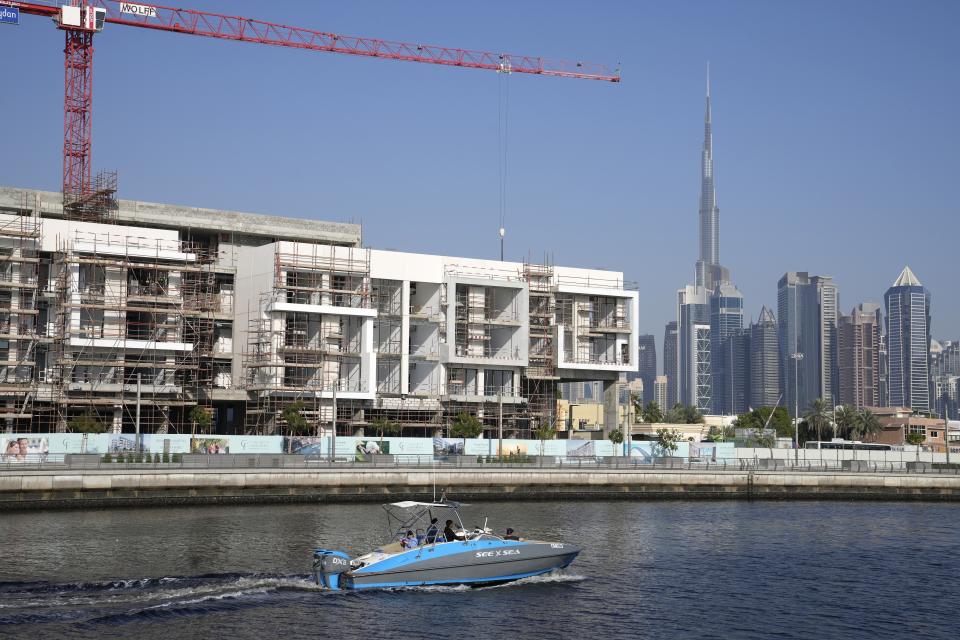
{"x":81,"y":20}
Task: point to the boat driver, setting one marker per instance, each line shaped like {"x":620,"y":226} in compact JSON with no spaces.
{"x":448,"y":532}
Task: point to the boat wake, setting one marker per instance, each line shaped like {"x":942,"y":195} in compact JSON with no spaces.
{"x":124,"y":601}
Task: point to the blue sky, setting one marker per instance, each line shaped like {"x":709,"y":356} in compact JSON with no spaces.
{"x":835,"y":134}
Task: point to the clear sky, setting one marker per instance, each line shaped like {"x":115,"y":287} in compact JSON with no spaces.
{"x":836,"y":135}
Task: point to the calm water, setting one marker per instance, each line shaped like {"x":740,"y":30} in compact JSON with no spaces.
{"x":658,"y":570}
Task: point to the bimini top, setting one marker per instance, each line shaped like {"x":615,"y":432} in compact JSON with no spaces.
{"x":406,"y":504}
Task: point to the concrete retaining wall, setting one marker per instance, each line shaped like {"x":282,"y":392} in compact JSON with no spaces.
{"x":96,"y":488}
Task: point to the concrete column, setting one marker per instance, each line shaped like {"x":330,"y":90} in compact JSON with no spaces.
{"x":117,"y":426}
{"x":611,"y":401}
{"x":404,"y":338}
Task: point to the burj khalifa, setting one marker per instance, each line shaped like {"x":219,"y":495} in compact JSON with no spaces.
{"x":709,"y":271}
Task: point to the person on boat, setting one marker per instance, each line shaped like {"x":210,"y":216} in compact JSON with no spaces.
{"x":448,"y":532}
{"x":433,"y":531}
{"x":510,"y":535}
{"x":409,"y":541}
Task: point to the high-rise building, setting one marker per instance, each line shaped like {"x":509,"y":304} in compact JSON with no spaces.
{"x":695,"y":385}
{"x":660,"y":386}
{"x":695,"y":345}
{"x":807,"y":309}
{"x":907,"y":304}
{"x":858,"y":356}
{"x":670,"y":362}
{"x":647,"y":364}
{"x":727,"y":360}
{"x":764,"y":367}
{"x":944,"y":376}
{"x":709,"y":271}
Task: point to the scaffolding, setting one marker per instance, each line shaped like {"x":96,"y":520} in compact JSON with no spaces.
{"x":132,"y":325}
{"x":100,"y":205}
{"x":20,"y":235}
{"x":296,"y":357}
{"x":540,"y":378}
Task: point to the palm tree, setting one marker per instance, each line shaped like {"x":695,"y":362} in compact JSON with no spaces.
{"x":817,"y":415}
{"x":846,"y":421}
{"x":652,"y":412}
{"x":870,"y":425}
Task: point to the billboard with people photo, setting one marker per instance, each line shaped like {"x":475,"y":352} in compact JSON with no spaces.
{"x":366,"y":448}
{"x":210,"y":446}
{"x":23,"y":449}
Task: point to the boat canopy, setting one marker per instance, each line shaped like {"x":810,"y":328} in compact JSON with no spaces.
{"x":406,"y":504}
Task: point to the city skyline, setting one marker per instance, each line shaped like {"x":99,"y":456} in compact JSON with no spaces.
{"x":798,"y":151}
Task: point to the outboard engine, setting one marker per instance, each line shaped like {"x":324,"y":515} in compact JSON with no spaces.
{"x":327,"y":567}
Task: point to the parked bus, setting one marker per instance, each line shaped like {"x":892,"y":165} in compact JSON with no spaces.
{"x":846,"y":444}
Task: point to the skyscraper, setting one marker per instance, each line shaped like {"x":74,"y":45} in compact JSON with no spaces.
{"x":670,"y":356}
{"x":944,"y":376}
{"x":858,"y":356}
{"x":696,"y":347}
{"x":695,"y":385}
{"x":709,"y":271}
{"x":764,"y":380}
{"x":647,"y":364}
{"x":807,"y":308}
{"x":907,"y":305}
{"x":727,"y":360}
{"x":660,"y":392}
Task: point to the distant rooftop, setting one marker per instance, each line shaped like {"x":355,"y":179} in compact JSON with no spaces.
{"x":172,"y":216}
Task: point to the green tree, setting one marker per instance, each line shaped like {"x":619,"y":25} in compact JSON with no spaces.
{"x":466,"y":426}
{"x":616,"y":437}
{"x":692,"y":415}
{"x":87,"y":422}
{"x":652,"y":413}
{"x":667,"y":440}
{"x":915,"y":439}
{"x":721,"y":434}
{"x":779,"y":421}
{"x":682,"y":414}
{"x":674,"y":415}
{"x":544,"y":432}
{"x":200,"y":417}
{"x":383,"y":427}
{"x":766,"y":439}
{"x":847,"y":421}
{"x":870,"y":426}
{"x":818,"y":416}
{"x":297,"y":424}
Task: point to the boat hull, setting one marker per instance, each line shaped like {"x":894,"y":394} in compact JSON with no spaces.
{"x":475,"y":563}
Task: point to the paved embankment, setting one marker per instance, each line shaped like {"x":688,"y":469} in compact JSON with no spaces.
{"x":72,"y":488}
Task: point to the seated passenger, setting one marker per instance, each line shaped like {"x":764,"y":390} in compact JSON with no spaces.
{"x":448,"y":532}
{"x":409,"y":541}
{"x":510,"y":535}
{"x":432,"y":531}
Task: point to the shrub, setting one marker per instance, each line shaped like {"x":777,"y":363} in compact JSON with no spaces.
{"x":156,"y":458}
{"x":107,"y":457}
{"x":166,"y":457}
{"x":177,"y":457}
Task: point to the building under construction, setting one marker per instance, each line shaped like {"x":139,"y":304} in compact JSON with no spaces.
{"x":158,"y":315}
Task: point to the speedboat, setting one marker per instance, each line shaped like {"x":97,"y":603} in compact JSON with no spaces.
{"x":473,"y":557}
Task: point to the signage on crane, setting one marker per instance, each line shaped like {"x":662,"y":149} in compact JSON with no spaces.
{"x":9,"y":15}
{"x":138,"y":10}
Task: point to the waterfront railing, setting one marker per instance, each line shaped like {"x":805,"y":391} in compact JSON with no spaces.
{"x":240,"y":462}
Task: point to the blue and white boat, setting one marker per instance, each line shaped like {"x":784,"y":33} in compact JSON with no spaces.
{"x":474,"y":557}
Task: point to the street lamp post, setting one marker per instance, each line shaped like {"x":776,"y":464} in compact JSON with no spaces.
{"x":797,"y":357}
